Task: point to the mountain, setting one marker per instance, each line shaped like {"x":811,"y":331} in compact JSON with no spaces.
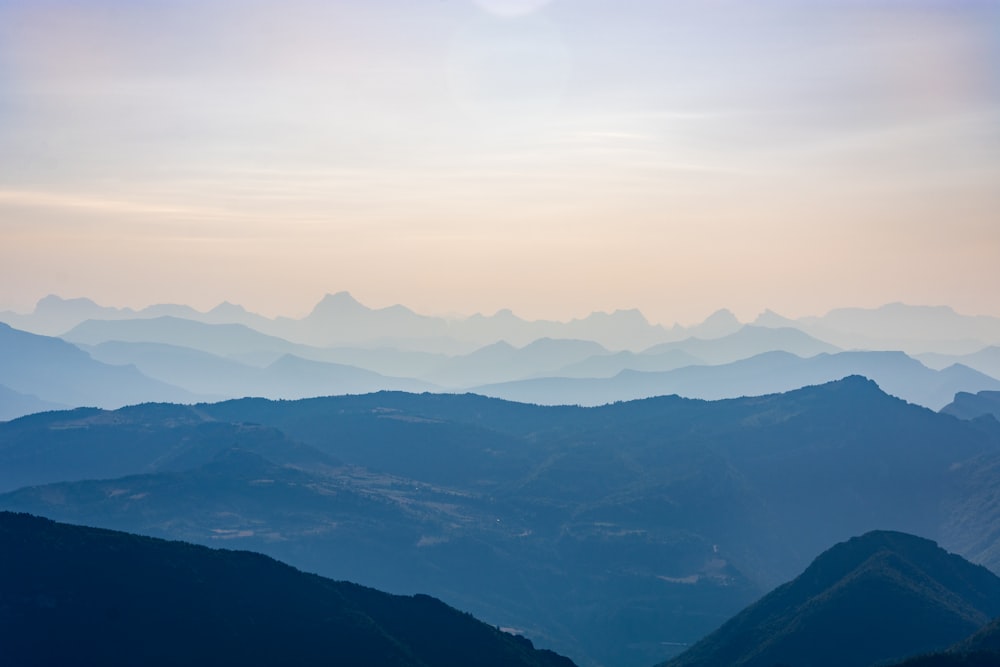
{"x":765,"y":373}
{"x":339,"y":319}
{"x":224,"y":340}
{"x":611,"y":364}
{"x":88,"y":443}
{"x":119,"y":599}
{"x":986,"y":360}
{"x":500,"y":362}
{"x":981,"y":649}
{"x":717,"y":325}
{"x":207,"y":374}
{"x":986,"y":638}
{"x":56,"y":372}
{"x":295,"y":377}
{"x":610,"y":534}
{"x":14,"y":404}
{"x":195,"y":370}
{"x":748,"y":341}
{"x":972,"y":406}
{"x":53,"y":315}
{"x":877,"y":597}
{"x":897,"y":326}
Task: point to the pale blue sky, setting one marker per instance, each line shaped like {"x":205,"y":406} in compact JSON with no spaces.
{"x":459,"y":155}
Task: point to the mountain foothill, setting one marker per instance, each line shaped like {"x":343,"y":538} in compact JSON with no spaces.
{"x":808,"y":492}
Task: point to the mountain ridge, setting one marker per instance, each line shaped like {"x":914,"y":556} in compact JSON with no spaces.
{"x":877,"y":597}
{"x":118,"y":599}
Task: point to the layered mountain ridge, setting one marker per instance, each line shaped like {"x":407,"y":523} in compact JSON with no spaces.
{"x":79,"y":595}
{"x":881,"y":596}
{"x":610,"y":534}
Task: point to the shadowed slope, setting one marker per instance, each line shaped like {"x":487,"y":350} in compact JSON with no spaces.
{"x":119,"y":599}
{"x":880,"y":596}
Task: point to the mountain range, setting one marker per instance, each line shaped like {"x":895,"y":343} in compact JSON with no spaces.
{"x":882,"y":596}
{"x":615,"y":535}
{"x":339,"y":319}
{"x":121,"y":362}
{"x":769,"y":372}
{"x":117,"y":598}
{"x":56,"y":373}
{"x":175,"y":353}
{"x":73,"y":595}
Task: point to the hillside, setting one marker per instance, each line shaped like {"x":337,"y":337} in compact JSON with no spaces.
{"x":971,"y":406}
{"x":880,"y":596}
{"x":765,"y":373}
{"x":610,"y":534}
{"x":77,"y":595}
{"x":56,"y":372}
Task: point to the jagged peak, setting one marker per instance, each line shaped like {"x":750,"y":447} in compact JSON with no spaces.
{"x":722,"y":315}
{"x":769,"y":318}
{"x":338,"y":303}
{"x":229,"y":307}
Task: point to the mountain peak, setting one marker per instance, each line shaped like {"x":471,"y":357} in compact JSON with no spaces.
{"x":771,"y":319}
{"x":340,"y":303}
{"x":873,"y":598}
{"x":53,"y":302}
{"x":228,"y":308}
{"x":721,"y":316}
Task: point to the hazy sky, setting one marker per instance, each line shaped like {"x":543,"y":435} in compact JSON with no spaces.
{"x":554,"y":157}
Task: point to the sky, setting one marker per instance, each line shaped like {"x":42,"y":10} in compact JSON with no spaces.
{"x":554,"y":157}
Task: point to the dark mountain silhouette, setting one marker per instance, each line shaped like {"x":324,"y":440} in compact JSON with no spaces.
{"x":972,"y":406}
{"x":953,"y":659}
{"x":340,"y":319}
{"x":986,"y":638}
{"x":766,"y":373}
{"x":877,"y":597}
{"x":77,"y":595}
{"x":54,"y":371}
{"x":982,"y":649}
{"x":609,"y":533}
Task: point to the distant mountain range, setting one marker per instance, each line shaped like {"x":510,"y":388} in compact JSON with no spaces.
{"x":339,"y":319}
{"x":973,"y":406}
{"x":175,"y":353}
{"x":172,"y":359}
{"x":71,"y":595}
{"x":56,"y":373}
{"x":770,"y":372}
{"x":878,"y":597}
{"x":614,"y":535}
